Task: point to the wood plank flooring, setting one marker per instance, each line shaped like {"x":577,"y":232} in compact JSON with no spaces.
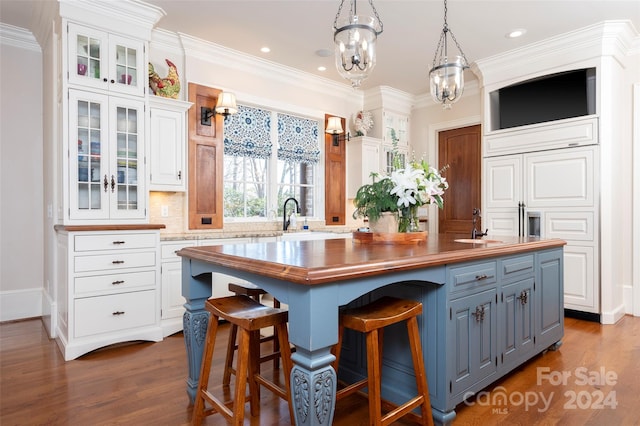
{"x":144,"y":383}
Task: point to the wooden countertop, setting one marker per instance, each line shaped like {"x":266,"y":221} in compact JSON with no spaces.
{"x":320,"y":261}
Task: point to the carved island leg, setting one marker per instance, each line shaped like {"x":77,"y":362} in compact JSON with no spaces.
{"x":313,"y":389}
{"x":196,"y":290}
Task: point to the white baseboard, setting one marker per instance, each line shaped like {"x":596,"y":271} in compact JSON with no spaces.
{"x":20,"y":304}
{"x":613,"y":316}
{"x":627,"y":292}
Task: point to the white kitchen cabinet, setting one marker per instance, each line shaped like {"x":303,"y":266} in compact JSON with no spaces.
{"x":108,"y":289}
{"x":558,"y":187}
{"x":366,"y":155}
{"x":171,"y":280}
{"x":363,"y":158}
{"x":171,"y":283}
{"x":106,"y":158}
{"x":398,"y":124}
{"x":110,"y":62}
{"x":167,"y":144}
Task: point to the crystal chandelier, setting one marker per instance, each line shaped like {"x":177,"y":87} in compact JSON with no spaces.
{"x":447,"y":73}
{"x":355,"y":39}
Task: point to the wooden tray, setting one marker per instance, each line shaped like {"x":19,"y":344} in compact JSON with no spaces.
{"x":390,"y":237}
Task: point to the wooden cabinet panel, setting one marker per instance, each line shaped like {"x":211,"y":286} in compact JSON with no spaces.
{"x":335,"y":178}
{"x":205,"y":161}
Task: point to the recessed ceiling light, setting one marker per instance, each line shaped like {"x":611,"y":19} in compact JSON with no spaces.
{"x":516,"y":33}
{"x":321,"y":68}
{"x":323,"y":53}
{"x":265,"y":50}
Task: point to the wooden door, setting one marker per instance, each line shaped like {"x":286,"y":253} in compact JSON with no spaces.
{"x":461,"y":150}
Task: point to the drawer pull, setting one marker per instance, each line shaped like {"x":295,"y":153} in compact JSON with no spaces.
{"x":116,"y":313}
{"x":482,"y":277}
{"x":117,"y":262}
{"x":118,"y":242}
{"x":118,"y":282}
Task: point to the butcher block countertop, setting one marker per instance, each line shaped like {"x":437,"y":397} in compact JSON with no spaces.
{"x":321,"y":261}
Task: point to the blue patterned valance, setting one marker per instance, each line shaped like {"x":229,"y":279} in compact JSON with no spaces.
{"x":248,"y":133}
{"x":297,"y":139}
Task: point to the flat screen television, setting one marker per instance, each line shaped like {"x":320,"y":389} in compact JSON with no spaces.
{"x":549,"y":98}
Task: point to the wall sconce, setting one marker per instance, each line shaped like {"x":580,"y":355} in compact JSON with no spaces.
{"x":334,"y":128}
{"x":226,"y":105}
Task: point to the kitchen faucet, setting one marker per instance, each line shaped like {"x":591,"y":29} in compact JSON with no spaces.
{"x":285,"y":221}
{"x":475,"y":233}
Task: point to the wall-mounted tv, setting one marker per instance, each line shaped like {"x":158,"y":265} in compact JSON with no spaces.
{"x":552,"y":97}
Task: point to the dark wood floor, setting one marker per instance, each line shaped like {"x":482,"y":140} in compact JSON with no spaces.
{"x":144,"y":383}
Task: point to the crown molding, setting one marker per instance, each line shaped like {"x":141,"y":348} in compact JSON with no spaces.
{"x":388,"y":98}
{"x":232,"y":59}
{"x":131,"y":17}
{"x":18,"y":37}
{"x":607,"y":38}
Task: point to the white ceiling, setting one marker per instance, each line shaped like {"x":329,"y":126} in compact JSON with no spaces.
{"x":296,"y":29}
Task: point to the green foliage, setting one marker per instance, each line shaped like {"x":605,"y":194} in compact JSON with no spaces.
{"x":375,"y":198}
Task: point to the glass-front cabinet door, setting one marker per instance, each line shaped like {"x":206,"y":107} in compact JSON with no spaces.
{"x":106,"y":157}
{"x":105,"y":61}
{"x":127,"y":160}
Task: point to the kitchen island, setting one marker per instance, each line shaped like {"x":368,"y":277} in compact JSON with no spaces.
{"x":488,"y":307}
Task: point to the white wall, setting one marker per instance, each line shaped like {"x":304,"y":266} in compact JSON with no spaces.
{"x":21,"y":187}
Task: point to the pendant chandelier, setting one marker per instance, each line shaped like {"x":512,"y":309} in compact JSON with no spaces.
{"x":446,"y":77}
{"x":355,"y":39}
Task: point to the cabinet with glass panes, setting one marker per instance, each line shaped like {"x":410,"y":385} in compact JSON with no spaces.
{"x":106,"y":165}
{"x":105,"y":61}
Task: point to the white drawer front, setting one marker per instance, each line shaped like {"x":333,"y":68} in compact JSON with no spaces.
{"x":114,"y":282}
{"x":92,"y":242}
{"x":569,"y":225}
{"x":169,"y":249}
{"x":104,"y":314}
{"x":115,"y":261}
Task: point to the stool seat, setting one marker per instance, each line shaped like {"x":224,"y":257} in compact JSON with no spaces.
{"x":249,"y":317}
{"x":371,"y":320}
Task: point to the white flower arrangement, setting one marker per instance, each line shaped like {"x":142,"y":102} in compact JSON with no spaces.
{"x":363,"y":122}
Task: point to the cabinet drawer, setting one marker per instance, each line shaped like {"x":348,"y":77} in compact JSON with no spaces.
{"x":114,"y":282}
{"x":114,"y":261}
{"x":168,"y":250}
{"x":103,"y":314}
{"x":94,"y":242}
{"x":517,"y":267}
{"x":472,"y":276}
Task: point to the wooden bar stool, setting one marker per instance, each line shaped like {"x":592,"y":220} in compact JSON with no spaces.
{"x":249,"y":316}
{"x":254,"y":292}
{"x":371,"y":320}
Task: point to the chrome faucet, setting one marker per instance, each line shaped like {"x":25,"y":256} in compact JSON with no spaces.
{"x":285,"y":221}
{"x":474,"y":232}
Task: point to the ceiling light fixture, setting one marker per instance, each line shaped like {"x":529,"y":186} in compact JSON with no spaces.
{"x":355,"y":38}
{"x":516,"y":33}
{"x":447,"y":74}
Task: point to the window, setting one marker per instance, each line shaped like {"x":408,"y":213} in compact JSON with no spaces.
{"x":263,"y":165}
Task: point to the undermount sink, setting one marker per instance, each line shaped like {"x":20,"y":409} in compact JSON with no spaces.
{"x":477,"y":241}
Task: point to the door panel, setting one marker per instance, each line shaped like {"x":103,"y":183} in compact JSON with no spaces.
{"x":460,"y":150}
